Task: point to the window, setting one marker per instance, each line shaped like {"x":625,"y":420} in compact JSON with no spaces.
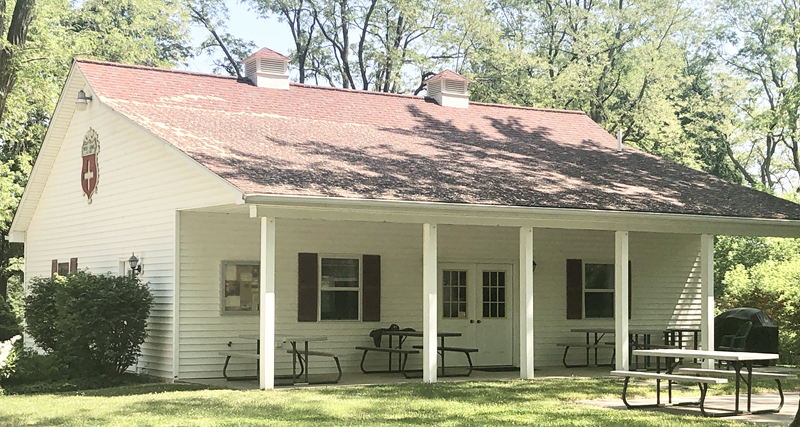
{"x":598,"y":290}
{"x":63,"y":268}
{"x":339,"y":290}
{"x":240,"y":290}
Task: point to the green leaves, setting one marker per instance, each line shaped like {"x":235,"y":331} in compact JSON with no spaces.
{"x":95,"y":323}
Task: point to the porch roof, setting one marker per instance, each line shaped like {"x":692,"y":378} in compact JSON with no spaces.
{"x":323,"y":142}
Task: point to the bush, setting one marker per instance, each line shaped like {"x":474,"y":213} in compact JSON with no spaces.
{"x":92,"y":323}
{"x":9,"y":324}
{"x":8,"y":356}
{"x":773,"y":286}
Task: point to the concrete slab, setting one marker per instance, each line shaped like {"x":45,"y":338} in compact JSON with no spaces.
{"x":760,"y":401}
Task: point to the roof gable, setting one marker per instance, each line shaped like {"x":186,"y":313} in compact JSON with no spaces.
{"x":315,"y":141}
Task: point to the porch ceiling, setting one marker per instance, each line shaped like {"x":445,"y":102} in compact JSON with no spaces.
{"x":342,"y":209}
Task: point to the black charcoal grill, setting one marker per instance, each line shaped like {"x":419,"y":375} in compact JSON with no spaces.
{"x":763,"y":336}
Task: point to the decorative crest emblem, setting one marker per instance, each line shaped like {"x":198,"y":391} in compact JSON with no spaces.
{"x":89,"y":174}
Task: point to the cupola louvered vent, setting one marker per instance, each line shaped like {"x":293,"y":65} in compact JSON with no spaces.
{"x":272,"y":66}
{"x":449,"y":89}
{"x":267,"y":68}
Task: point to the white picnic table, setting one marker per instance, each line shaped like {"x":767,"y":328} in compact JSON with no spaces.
{"x":735,"y":358}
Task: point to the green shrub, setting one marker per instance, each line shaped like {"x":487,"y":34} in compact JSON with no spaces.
{"x":93,"y":323}
{"x":9,"y":324}
{"x":773,"y":286}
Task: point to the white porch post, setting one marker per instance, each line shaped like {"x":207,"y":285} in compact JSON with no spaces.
{"x":429,"y":302}
{"x":622,"y":343}
{"x":526,"y":303}
{"x":707,"y":295}
{"x":267,"y":305}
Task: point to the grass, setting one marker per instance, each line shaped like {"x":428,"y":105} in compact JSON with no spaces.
{"x":501,"y":403}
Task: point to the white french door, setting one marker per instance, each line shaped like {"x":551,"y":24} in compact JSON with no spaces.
{"x":476,"y":300}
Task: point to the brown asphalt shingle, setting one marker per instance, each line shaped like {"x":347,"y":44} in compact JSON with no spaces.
{"x":317,"y":141}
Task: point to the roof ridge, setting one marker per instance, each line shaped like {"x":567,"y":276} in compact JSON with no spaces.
{"x":148,"y":68}
{"x":318,"y":87}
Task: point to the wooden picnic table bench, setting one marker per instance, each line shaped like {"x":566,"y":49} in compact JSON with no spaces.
{"x":402,"y":352}
{"x":464,"y":350}
{"x":702,"y":382}
{"x":755,"y":374}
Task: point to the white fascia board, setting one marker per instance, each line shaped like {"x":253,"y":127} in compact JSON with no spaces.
{"x":345,"y":209}
{"x":237,"y":194}
{"x":40,"y":173}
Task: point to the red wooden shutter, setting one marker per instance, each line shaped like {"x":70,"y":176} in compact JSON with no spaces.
{"x":630,"y":290}
{"x":307,"y":282}
{"x":53,"y":269}
{"x":73,"y":265}
{"x":371,"y":298}
{"x":574,"y":289}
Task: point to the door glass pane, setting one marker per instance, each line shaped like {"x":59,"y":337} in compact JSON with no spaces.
{"x":494,"y":294}
{"x":454,"y":289}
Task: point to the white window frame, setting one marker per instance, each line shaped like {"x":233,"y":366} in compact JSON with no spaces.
{"x":360,"y":259}
{"x":222,"y":266}
{"x":604,"y":291}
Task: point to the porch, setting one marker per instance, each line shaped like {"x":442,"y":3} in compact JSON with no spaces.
{"x":669,"y":271}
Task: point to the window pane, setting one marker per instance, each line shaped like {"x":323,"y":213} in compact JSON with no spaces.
{"x":486,"y":309}
{"x":339,"y":305}
{"x":599,"y":304}
{"x":241,"y":287}
{"x":501,"y":310}
{"x":599,"y":276}
{"x":63,"y":268}
{"x":339,"y":273}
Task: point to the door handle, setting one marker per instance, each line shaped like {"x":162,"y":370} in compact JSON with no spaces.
{"x":479,"y":321}
{"x":472,"y":321}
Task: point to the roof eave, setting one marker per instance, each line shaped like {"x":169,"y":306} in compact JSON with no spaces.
{"x":24,"y":213}
{"x":351,"y":209}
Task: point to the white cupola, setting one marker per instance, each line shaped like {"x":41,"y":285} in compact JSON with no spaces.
{"x":449,"y":89}
{"x":267,"y":68}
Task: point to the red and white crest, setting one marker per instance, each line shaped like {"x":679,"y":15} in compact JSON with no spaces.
{"x":89,"y":173}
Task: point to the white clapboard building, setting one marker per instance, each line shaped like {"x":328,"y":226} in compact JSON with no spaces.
{"x":260,"y":206}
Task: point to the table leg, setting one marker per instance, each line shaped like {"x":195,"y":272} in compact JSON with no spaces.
{"x":737,"y":366}
{"x":442,"y":341}
{"x":294,"y":361}
{"x":390,"y":355}
{"x":307,"y":360}
{"x":587,"y":348}
{"x":749,"y":383}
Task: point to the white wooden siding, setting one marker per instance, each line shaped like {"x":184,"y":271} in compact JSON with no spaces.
{"x":662,"y":271}
{"x":141,"y":184}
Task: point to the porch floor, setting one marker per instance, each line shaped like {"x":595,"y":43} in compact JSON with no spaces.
{"x":762,"y":400}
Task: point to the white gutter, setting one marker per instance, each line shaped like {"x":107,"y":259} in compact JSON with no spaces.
{"x":351,"y":209}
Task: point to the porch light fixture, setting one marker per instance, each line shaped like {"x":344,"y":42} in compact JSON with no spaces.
{"x":134,"y":263}
{"x":83,"y":101}
{"x":534,"y":266}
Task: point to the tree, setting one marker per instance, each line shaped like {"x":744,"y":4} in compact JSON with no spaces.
{"x":360,"y":44}
{"x":758,"y":42}
{"x":212,"y":14}
{"x":16,"y":34}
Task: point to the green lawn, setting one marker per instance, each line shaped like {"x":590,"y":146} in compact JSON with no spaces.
{"x":540,"y":402}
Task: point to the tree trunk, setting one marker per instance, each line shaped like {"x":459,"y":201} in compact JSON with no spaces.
{"x":796,"y":421}
{"x":17,"y":35}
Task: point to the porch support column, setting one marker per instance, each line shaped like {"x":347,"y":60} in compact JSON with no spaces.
{"x":267,"y":305}
{"x":621,"y":341}
{"x":707,"y":295}
{"x":526,"y":303}
{"x":429,"y":302}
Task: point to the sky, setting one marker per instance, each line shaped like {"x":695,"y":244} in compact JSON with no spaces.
{"x":246,"y":25}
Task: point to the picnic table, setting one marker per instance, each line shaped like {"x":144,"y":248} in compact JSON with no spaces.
{"x":639,"y":338}
{"x":403,"y":353}
{"x":737,"y":360}
{"x":293,"y":340}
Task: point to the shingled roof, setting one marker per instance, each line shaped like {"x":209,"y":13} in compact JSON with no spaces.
{"x":318,"y":141}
